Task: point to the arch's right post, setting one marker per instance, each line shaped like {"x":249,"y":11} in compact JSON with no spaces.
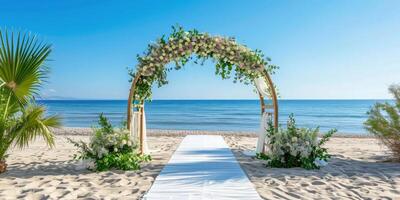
{"x":273,"y":96}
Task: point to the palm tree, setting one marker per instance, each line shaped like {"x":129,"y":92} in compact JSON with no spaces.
{"x":22,"y":72}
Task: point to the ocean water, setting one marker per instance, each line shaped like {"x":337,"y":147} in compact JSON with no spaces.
{"x":231,"y":115}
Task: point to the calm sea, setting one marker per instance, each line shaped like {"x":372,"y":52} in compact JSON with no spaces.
{"x":234,"y":115}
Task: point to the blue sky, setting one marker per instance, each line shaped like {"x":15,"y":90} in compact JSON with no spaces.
{"x":325,"y":49}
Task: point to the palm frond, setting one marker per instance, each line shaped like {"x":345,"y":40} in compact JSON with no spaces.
{"x":2,"y":83}
{"x":22,"y":69}
{"x":22,"y":72}
{"x":33,"y":123}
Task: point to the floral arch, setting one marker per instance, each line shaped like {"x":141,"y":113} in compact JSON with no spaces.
{"x":246,"y":65}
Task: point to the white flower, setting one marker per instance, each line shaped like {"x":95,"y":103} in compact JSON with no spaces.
{"x":293,"y":153}
{"x":102,"y":152}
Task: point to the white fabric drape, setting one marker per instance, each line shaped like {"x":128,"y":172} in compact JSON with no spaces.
{"x":262,"y":134}
{"x":262,"y":86}
{"x":135,"y":126}
{"x":263,"y":89}
{"x":145,"y":146}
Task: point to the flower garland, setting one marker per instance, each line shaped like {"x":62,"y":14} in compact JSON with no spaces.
{"x":179,"y":48}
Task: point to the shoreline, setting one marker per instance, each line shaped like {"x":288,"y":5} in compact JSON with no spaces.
{"x":84,"y":131}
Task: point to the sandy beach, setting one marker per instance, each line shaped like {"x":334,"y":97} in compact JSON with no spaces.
{"x":358,"y":170}
{"x":43,"y":173}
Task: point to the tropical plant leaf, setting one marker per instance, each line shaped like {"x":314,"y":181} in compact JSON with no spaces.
{"x":22,"y":60}
{"x":22,"y":73}
{"x":33,"y":123}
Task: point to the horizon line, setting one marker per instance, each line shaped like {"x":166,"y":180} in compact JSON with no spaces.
{"x":83,"y":99}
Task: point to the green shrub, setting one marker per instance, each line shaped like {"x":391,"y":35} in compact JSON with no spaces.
{"x":384,"y":122}
{"x":110,"y":149}
{"x":295,"y":147}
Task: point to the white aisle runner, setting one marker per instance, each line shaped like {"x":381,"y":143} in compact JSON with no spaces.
{"x":203,"y":167}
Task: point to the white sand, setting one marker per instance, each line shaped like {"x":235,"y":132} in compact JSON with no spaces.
{"x":42,"y":173}
{"x":357,"y":171}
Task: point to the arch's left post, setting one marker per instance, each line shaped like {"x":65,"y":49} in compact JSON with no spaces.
{"x":130,"y":98}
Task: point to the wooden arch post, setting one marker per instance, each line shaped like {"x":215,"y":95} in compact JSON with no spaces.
{"x":274,"y":99}
{"x":130,"y":99}
{"x":264,"y":74}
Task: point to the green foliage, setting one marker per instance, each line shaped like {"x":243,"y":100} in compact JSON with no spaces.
{"x":110,"y":149}
{"x":183,"y":46}
{"x":121,"y":160}
{"x":105,"y":126}
{"x":295,"y":147}
{"x":384,"y":122}
{"x":22,"y":72}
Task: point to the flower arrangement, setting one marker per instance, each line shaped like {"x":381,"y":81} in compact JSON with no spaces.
{"x":179,"y":48}
{"x":295,"y":147}
{"x":110,"y":149}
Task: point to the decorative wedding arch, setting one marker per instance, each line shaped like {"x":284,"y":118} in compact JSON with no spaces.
{"x":250,"y":67}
